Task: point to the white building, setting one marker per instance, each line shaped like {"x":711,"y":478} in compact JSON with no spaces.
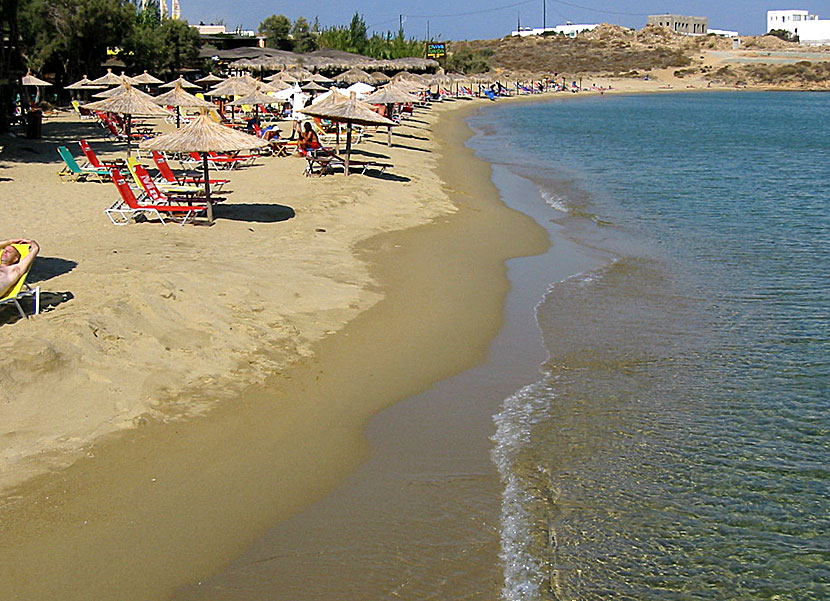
{"x":809,"y":28}
{"x":569,"y":29}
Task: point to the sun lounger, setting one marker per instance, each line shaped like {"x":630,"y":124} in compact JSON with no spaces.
{"x":129,"y":208}
{"x":321,"y":163}
{"x":21,"y":289}
{"x":194,"y":159}
{"x":75,"y":172}
{"x":133,"y":166}
{"x":96,"y":162}
{"x":82,"y":112}
{"x":166,"y":173}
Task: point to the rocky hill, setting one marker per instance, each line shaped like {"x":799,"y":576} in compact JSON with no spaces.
{"x":616,"y":51}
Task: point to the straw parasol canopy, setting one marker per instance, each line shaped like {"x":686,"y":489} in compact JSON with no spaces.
{"x":233,"y":86}
{"x":255,"y":98}
{"x":180,"y":97}
{"x":274,"y":86}
{"x":83,"y":84}
{"x":111,"y":92}
{"x":320,"y":78}
{"x":110,"y":79}
{"x":146,"y":79}
{"x":31,"y":80}
{"x":209,"y":80}
{"x":300,"y":74}
{"x":313,"y":87}
{"x":354,"y":75}
{"x":204,"y":135}
{"x":130,"y":102}
{"x":349,"y":111}
{"x":283,"y":76}
{"x":180,"y":79}
{"x":379,"y":76}
{"x":390,"y":94}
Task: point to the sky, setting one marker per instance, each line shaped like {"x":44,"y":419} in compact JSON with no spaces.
{"x":485,"y":19}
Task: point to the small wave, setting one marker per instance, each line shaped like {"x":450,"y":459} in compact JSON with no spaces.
{"x":556,"y":201}
{"x":525,"y":575}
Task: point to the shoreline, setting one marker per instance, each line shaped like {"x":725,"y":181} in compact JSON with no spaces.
{"x":295,"y":440}
{"x":325,"y":443}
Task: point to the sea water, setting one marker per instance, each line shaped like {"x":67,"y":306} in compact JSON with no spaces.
{"x":677,"y":442}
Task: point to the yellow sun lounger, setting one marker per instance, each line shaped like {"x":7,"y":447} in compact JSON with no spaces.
{"x":17,"y":292}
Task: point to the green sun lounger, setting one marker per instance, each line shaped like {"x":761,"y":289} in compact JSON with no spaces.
{"x":75,"y":172}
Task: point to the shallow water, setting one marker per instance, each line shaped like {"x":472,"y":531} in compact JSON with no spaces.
{"x":676,"y":445}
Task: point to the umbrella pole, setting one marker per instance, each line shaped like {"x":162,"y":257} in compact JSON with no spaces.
{"x":207,"y":187}
{"x":348,"y":145}
{"x":389,"y":108}
{"x":337,"y":137}
{"x":178,"y":118}
{"x":129,"y":137}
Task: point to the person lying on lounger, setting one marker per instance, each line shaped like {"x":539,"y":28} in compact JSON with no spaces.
{"x":11,"y":267}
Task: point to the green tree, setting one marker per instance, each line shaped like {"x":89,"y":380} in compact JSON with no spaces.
{"x":276,"y":30}
{"x":304,"y":39}
{"x":357,"y":34}
{"x":71,"y":37}
{"x":180,"y":45}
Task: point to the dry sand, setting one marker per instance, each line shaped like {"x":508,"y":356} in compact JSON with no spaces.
{"x":167,"y":321}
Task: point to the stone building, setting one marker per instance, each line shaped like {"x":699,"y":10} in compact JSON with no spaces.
{"x":681,"y":24}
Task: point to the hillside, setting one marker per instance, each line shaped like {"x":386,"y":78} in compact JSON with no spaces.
{"x":615,"y":51}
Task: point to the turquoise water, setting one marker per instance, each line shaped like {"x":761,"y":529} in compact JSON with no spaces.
{"x":676,"y":444}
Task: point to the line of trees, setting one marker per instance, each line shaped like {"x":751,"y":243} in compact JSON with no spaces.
{"x":70,"y":38}
{"x":301,"y":37}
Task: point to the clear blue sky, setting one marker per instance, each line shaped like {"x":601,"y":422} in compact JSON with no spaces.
{"x":482,"y":19}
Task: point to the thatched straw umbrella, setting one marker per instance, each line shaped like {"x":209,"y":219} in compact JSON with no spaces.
{"x":131,"y":102}
{"x":110,"y":79}
{"x":390,"y":95}
{"x":350,"y":111}
{"x":300,"y":74}
{"x":313,"y":87}
{"x":379,"y":76}
{"x":234,"y":86}
{"x":255,"y":98}
{"x":82,"y":84}
{"x":85,"y":85}
{"x":145,"y":79}
{"x":274,"y":86}
{"x":30,"y":80}
{"x":354,"y":75}
{"x":209,"y":80}
{"x":180,"y":97}
{"x":204,"y":135}
{"x":320,"y":78}
{"x":180,"y":80}
{"x":284,"y":76}
{"x":111,"y":92}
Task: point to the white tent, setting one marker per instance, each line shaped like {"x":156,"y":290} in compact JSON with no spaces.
{"x":361,"y":89}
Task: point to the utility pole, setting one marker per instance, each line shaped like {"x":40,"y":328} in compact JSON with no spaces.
{"x":518,"y":21}
{"x":544,"y":14}
{"x":428,"y":30}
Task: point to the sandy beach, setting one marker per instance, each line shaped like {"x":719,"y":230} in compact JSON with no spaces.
{"x":193,"y":386}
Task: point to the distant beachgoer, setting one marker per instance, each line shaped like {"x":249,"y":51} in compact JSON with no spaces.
{"x":308,"y":140}
{"x":12,"y":267}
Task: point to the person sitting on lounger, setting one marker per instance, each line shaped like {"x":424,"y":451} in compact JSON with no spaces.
{"x":11,"y":266}
{"x":309,"y":140}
